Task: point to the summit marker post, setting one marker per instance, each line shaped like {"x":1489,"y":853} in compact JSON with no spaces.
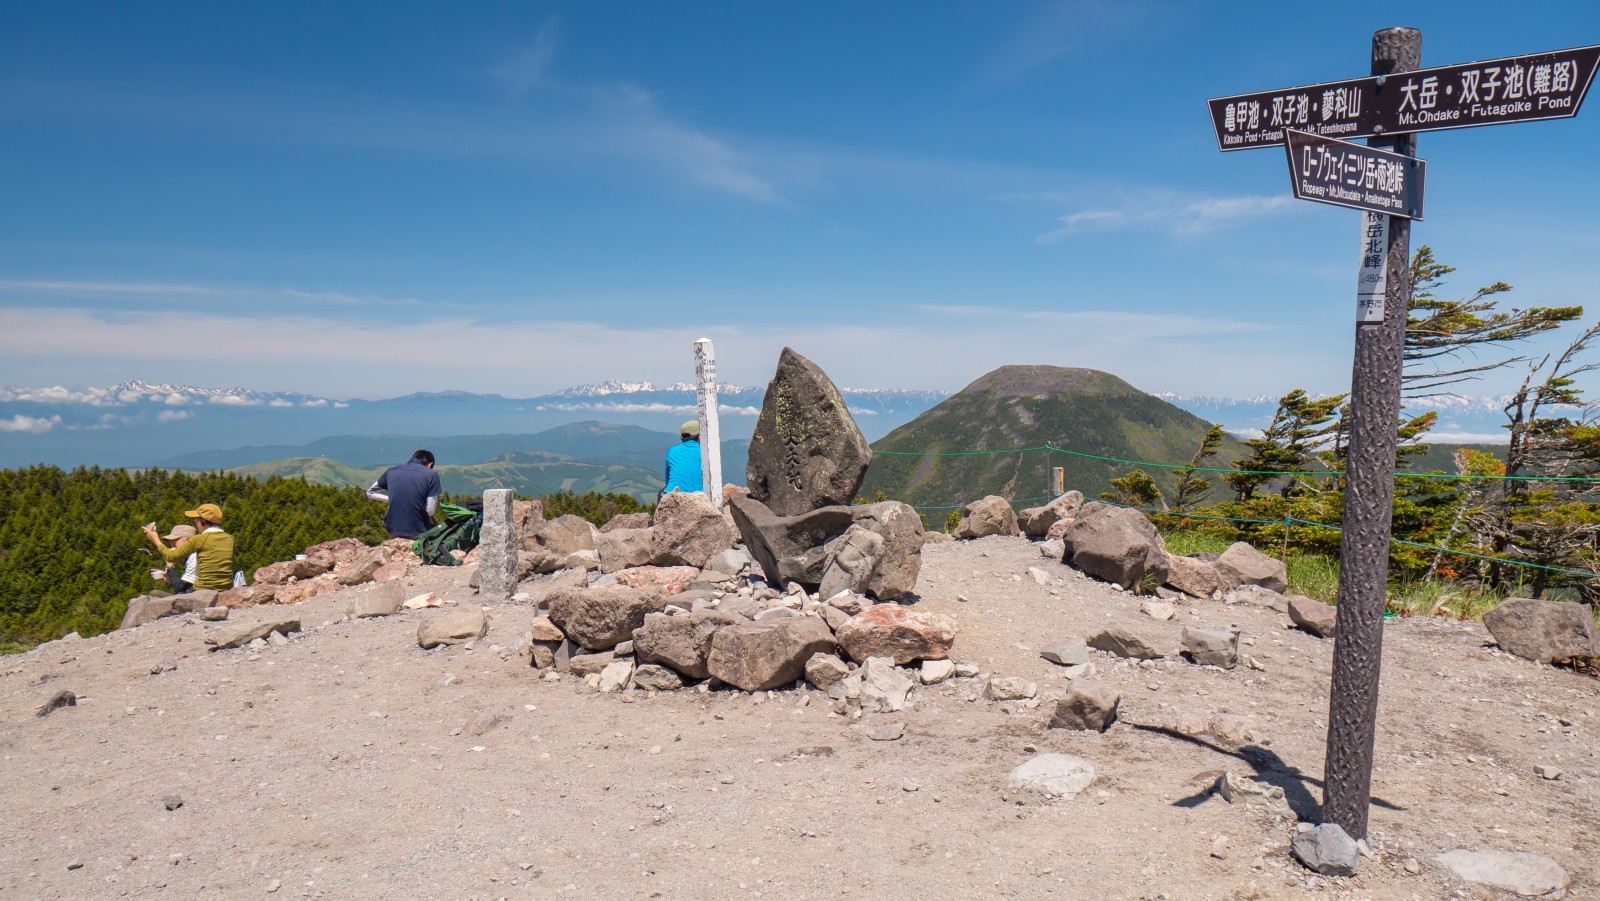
{"x":705,"y":370}
{"x":1389,"y":107}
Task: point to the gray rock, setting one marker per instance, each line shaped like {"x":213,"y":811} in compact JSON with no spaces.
{"x":1160,"y":611}
{"x":587,"y":664}
{"x":539,"y":588}
{"x":383,"y":599}
{"x":1242,"y":564}
{"x":1053,"y":548}
{"x":883,"y":686}
{"x":1123,"y":643}
{"x":564,"y":535}
{"x":172,"y":802}
{"x":833,"y":616}
{"x":626,"y":521}
{"x":823,"y":670}
{"x":1257,"y":596}
{"x":1036,"y":521}
{"x":766,"y":655}
{"x":682,"y":643}
{"x":1072,"y":652}
{"x":990,"y":515}
{"x":1192,"y":576}
{"x":688,"y":530}
{"x":933,"y":672}
{"x":214,"y":614}
{"x":1543,"y":631}
{"x":806,"y":451}
{"x":651,"y":677}
{"x":1009,"y":688}
{"x":1313,"y":616}
{"x":146,"y":609}
{"x":1116,"y":544}
{"x":164,"y":665}
{"x":454,"y":627}
{"x":600,"y":618}
{"x":624,"y":549}
{"x":244,"y":633}
{"x":1211,"y":647}
{"x":1236,"y":789}
{"x":1528,"y":875}
{"x":60,"y":699}
{"x":1052,"y":775}
{"x":853,"y":558}
{"x":1327,"y":850}
{"x":887,"y":732}
{"x":1089,"y":706}
{"x":795,"y":548}
{"x":732,"y":561}
{"x":616,"y":675}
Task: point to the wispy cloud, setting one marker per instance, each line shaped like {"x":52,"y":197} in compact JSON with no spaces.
{"x":528,"y":67}
{"x":29,"y":424}
{"x":1056,"y":29}
{"x":82,"y":288}
{"x":174,"y":415}
{"x":1191,"y":217}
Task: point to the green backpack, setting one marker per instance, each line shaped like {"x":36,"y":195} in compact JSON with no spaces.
{"x":458,"y":530}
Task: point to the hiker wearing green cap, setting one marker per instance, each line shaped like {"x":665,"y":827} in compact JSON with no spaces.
{"x":212,"y":546}
{"x":683,"y":460}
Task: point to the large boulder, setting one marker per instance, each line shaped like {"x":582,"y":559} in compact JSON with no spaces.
{"x":302,"y":567}
{"x":767,"y":654}
{"x":681,"y":642}
{"x":855,"y":557}
{"x":1036,"y":521}
{"x":235,"y":636}
{"x":363,"y":567}
{"x":624,"y":548}
{"x":1543,"y":631}
{"x":1192,"y":576}
{"x":626,"y":521}
{"x":1123,"y":643}
{"x":1115,"y":544}
{"x":146,"y":609}
{"x":689,"y":529}
{"x":890,"y":630}
{"x":1089,"y":706}
{"x":564,"y":535}
{"x":806,"y":451}
{"x":1211,"y":647}
{"x":796,"y":548}
{"x":1242,"y":564}
{"x":1313,"y":616}
{"x":991,"y":515}
{"x":601,"y":618}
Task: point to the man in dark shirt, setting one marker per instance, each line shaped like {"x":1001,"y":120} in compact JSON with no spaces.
{"x":412,"y":492}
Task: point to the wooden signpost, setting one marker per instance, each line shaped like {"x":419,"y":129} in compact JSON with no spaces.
{"x":1389,"y":107}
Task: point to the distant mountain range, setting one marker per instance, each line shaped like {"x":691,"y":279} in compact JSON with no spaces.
{"x":140,"y":424}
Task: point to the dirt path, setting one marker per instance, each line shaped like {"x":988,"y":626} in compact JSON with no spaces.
{"x":334,"y":766}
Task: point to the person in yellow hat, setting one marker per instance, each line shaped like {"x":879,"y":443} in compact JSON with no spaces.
{"x":212,"y":547}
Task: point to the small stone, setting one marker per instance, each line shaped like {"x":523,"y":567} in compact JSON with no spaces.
{"x":1052,"y":775}
{"x":214,"y":614}
{"x":823,"y":670}
{"x":274,"y":885}
{"x":75,"y":864}
{"x":1039,"y":576}
{"x":1073,"y":652}
{"x":1088,"y":706}
{"x":1123,"y":643}
{"x":1413,"y":866}
{"x":1219,"y":847}
{"x":1328,"y":850}
{"x":1009,"y":688}
{"x":616,"y":675}
{"x":1211,"y":647}
{"x":933,"y":672}
{"x":1236,"y":789}
{"x":966,"y":670}
{"x":173,"y":802}
{"x":1528,"y":875}
{"x":888,"y":732}
{"x":909,"y":786}
{"x":1160,"y":611}
{"x":1545,"y":771}
{"x":60,"y":699}
{"x":164,"y":665}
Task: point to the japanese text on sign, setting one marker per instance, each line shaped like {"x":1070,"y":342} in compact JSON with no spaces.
{"x":1368,"y":178}
{"x":1372,"y":282}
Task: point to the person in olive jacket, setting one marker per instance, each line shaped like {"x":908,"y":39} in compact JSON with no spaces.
{"x":212,"y":546}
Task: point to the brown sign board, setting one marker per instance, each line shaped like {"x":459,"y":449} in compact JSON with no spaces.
{"x":1515,"y":89}
{"x":1355,"y":175}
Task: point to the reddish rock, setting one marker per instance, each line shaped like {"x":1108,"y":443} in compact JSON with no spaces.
{"x":652,"y":576}
{"x":526,"y":518}
{"x":395,"y":569}
{"x":890,"y":630}
{"x":303,"y":591}
{"x":545,"y":630}
{"x":1313,"y":616}
{"x":361,"y":568}
{"x":247,"y":596}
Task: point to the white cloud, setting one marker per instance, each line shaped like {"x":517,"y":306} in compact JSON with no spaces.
{"x":280,"y":402}
{"x":95,"y":397}
{"x":529,"y":67}
{"x":234,"y":400}
{"x":174,"y":415}
{"x":29,"y":424}
{"x":60,"y":287}
{"x":943,"y":348}
{"x":1183,"y":217}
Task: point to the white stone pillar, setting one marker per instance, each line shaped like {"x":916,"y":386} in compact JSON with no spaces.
{"x":705,"y":368}
{"x":497,"y":547}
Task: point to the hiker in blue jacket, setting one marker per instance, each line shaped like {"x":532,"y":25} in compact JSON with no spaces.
{"x":683,"y":461}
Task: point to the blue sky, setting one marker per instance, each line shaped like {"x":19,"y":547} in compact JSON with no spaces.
{"x":364,"y":200}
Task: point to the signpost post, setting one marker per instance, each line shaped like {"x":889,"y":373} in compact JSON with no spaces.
{"x":1384,"y":180}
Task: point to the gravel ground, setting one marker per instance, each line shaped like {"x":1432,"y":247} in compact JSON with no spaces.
{"x":340,"y":764}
